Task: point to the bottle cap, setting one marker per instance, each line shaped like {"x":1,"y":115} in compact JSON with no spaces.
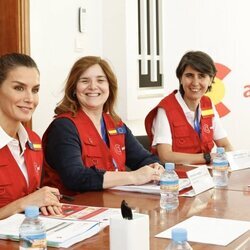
{"x":220,"y":150}
{"x":169,"y":166}
{"x":179,"y":234}
{"x":31,"y":211}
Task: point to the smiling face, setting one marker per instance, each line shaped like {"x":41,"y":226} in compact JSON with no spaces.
{"x":195,"y":85}
{"x":18,"y":95}
{"x":92,"y":89}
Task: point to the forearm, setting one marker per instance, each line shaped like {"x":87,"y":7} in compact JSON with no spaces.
{"x":181,"y":158}
{"x":140,"y":176}
{"x":14,"y":207}
{"x":225,"y":143}
{"x":112,"y":179}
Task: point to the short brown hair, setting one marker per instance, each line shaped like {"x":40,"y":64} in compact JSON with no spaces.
{"x":199,"y":61}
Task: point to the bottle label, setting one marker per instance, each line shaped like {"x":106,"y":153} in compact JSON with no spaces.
{"x":169,"y":185}
{"x":34,"y":242}
{"x":220,"y":168}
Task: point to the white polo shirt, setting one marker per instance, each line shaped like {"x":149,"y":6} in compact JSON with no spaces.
{"x":161,"y":128}
{"x":13,"y":145}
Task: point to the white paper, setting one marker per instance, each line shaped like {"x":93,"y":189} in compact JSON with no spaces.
{"x":200,"y":179}
{"x":89,"y":213}
{"x":151,"y":188}
{"x":239,"y":159}
{"x":210,"y":230}
{"x":60,"y":233}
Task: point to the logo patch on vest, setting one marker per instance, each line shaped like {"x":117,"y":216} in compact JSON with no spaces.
{"x":112,"y":132}
{"x":206,"y":129}
{"x":207,"y":112}
{"x":34,"y":146}
{"x":37,"y":168}
{"x":118,"y":149}
{"x":119,"y":130}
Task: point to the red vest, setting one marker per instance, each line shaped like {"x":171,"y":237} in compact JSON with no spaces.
{"x":12,"y":181}
{"x":184,"y":138}
{"x":95,"y":152}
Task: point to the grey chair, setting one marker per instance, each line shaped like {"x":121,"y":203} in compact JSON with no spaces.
{"x":143,"y":139}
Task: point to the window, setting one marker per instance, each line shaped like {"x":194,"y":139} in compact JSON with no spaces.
{"x":150,"y":43}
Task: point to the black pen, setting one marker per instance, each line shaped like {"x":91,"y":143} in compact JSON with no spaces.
{"x":62,"y":196}
{"x":66,"y":197}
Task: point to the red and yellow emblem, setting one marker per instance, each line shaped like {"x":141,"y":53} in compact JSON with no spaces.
{"x":218,"y":89}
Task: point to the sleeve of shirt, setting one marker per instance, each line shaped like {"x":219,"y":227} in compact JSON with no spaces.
{"x":136,"y":155}
{"x":63,"y":153}
{"x":219,"y":131}
{"x":161,"y":129}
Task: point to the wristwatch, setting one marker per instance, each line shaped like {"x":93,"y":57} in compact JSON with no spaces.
{"x":207,"y":157}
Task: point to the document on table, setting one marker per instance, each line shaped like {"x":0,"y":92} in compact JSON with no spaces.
{"x":80,"y":212}
{"x":151,"y":188}
{"x":239,"y":159}
{"x":210,"y":230}
{"x":60,"y":233}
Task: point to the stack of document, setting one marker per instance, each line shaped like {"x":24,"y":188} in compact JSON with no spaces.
{"x":88,"y":213}
{"x":152,"y":188}
{"x":60,"y":233}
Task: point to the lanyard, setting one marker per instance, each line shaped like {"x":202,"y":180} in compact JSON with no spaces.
{"x":104,"y":131}
{"x":196,"y":121}
{"x":105,"y":138}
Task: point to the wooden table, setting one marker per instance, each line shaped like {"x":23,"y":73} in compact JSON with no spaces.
{"x":231,"y":203}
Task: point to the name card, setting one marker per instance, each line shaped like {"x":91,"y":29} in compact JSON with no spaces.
{"x":200,"y":179}
{"x":239,"y":159}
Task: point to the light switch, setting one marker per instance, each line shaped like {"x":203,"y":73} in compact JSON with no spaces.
{"x":80,"y":43}
{"x":82,"y":20}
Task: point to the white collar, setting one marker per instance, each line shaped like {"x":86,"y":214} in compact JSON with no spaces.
{"x":6,"y":139}
{"x":182,"y":103}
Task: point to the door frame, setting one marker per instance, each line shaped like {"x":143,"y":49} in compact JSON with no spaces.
{"x":24,"y":26}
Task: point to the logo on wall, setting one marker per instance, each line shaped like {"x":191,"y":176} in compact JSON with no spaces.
{"x":218,"y":89}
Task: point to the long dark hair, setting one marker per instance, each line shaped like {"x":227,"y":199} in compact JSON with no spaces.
{"x":10,"y":61}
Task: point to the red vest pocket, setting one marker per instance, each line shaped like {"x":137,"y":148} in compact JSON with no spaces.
{"x":5,"y":175}
{"x":93,"y":156}
{"x":180,"y":129}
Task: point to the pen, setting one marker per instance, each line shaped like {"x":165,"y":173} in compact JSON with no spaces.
{"x":66,"y":197}
{"x":62,"y":196}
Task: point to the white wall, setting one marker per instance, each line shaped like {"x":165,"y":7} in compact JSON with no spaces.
{"x":56,"y":44}
{"x":219,"y":28}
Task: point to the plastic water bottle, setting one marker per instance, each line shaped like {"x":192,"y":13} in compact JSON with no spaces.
{"x":179,"y":240}
{"x":220,"y":168}
{"x":169,"y":188}
{"x":32,"y":232}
